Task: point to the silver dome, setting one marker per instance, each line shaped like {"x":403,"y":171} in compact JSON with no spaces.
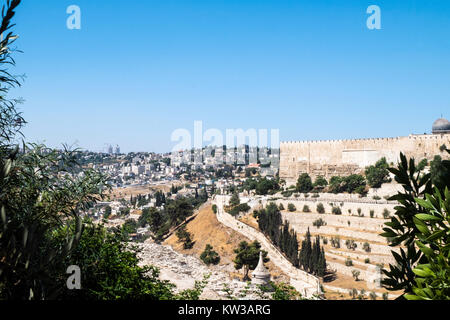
{"x":441,"y":126}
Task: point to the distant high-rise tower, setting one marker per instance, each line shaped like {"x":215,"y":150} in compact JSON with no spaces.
{"x":110,"y":149}
{"x":117,"y":149}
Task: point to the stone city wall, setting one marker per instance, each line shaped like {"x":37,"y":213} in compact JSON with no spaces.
{"x":344,"y":157}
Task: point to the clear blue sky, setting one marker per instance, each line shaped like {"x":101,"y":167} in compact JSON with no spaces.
{"x":137,"y":70}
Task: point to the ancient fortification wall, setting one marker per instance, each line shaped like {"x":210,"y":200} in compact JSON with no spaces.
{"x":343,"y":157}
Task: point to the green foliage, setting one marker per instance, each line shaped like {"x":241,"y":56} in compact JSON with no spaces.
{"x":284,"y":291}
{"x":355,"y":274}
{"x":234,"y":200}
{"x":432,"y":281}
{"x":320,"y":183}
{"x":320,"y":208}
{"x":440,"y":172}
{"x":185,"y":237}
{"x":214,"y":208}
{"x":270,"y":223}
{"x":291,"y":207}
{"x":422,"y":164}
{"x":306,"y":208}
{"x":110,"y":269}
{"x":236,"y":210}
{"x":38,"y":198}
{"x":209,"y":256}
{"x":360,"y":214}
{"x":402,"y":229}
{"x":262,"y":186}
{"x":318,"y":223}
{"x":304,"y":183}
{"x":175,"y":212}
{"x":336,"y":211}
{"x":348,"y":262}
{"x":247,"y":256}
{"x":129,"y":227}
{"x":335,"y":242}
{"x":266,"y":186}
{"x":386,"y":213}
{"x":378,"y":174}
{"x":312,"y":256}
{"x":43,"y":193}
{"x":350,"y":244}
{"x":354,"y":183}
{"x":281,"y":207}
{"x":107,"y":213}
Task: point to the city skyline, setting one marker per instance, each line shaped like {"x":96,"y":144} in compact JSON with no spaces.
{"x":313,"y":71}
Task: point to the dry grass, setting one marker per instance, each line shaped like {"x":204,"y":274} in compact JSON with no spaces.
{"x":206,"y":229}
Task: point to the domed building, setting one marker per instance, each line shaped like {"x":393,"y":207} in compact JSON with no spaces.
{"x":441,"y":126}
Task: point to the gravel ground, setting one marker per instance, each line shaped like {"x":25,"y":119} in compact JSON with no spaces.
{"x":184,"y":270}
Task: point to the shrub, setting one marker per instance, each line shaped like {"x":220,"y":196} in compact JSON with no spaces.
{"x":366,"y":260}
{"x":373,"y":295}
{"x":286,"y":194}
{"x":304,"y":183}
{"x":372,"y":213}
{"x":362,"y":295}
{"x":325,"y":240}
{"x":214,"y":208}
{"x":351,"y":244}
{"x":185,"y":237}
{"x":378,"y":174}
{"x":386,"y":213}
{"x":360,"y":212}
{"x":318,"y":223}
{"x":354,"y":183}
{"x":244,"y":207}
{"x":376,"y":198}
{"x":234,"y":200}
{"x":348,"y":262}
{"x":366,"y":247}
{"x":361,"y":190}
{"x":320,"y":208}
{"x":320,"y":183}
{"x":336,"y":211}
{"x":355,"y":274}
{"x":306,"y":208}
{"x":336,"y":242}
{"x":385,"y":296}
{"x":281,"y":207}
{"x":291,"y":207}
{"x":209,"y":256}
